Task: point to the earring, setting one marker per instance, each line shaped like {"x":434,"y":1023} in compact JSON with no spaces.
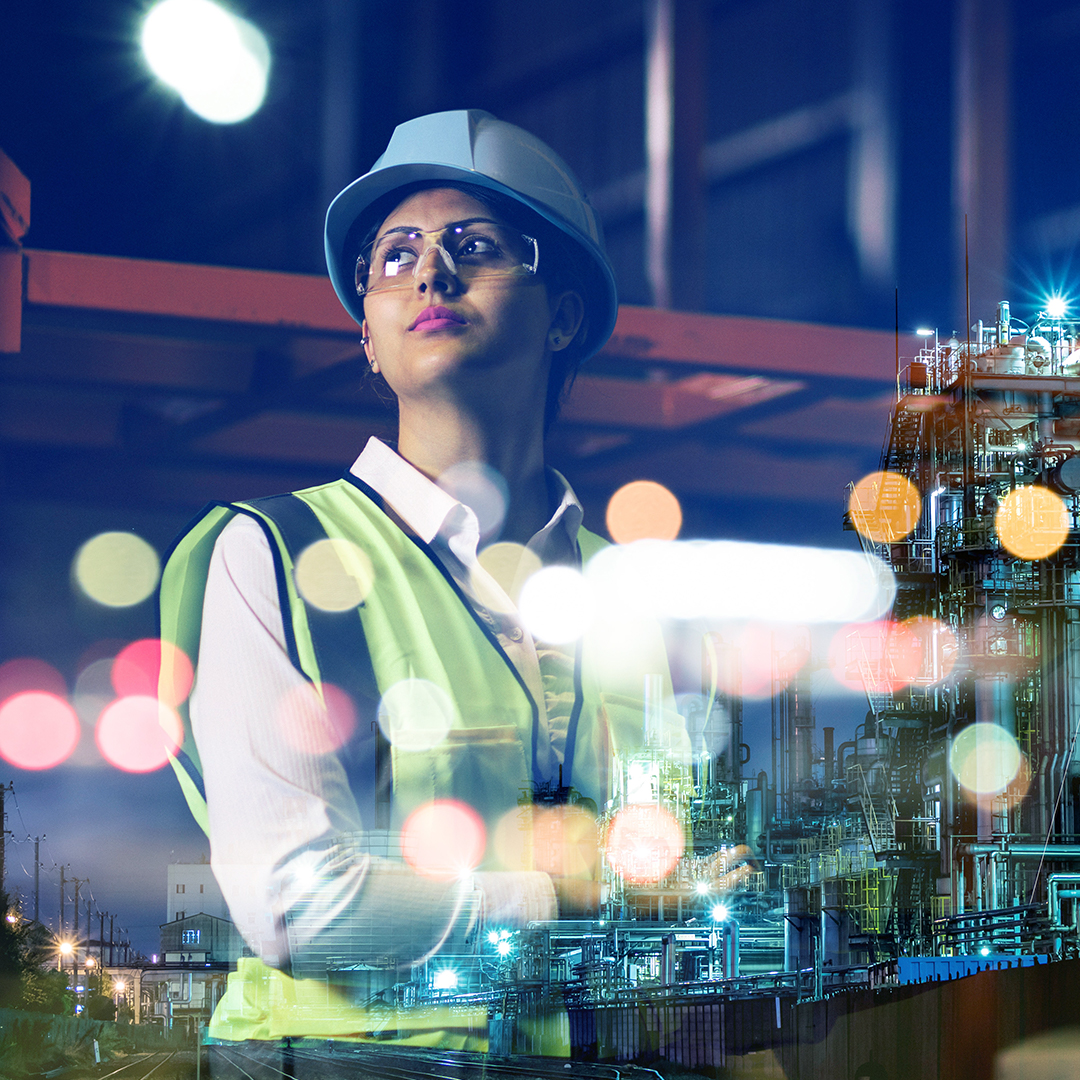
{"x":556,"y":340}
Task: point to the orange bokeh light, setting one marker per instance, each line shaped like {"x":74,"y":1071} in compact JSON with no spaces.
{"x":560,"y":840}
{"x":884,"y":506}
{"x":1032,"y":522}
{"x":643,"y":843}
{"x":643,"y":510}
{"x":153,"y":668}
{"x":877,"y":657}
{"x":138,"y":733}
{"x":38,"y":730}
{"x":443,"y":839}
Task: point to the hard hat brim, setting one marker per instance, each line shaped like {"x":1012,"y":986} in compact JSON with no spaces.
{"x":351,"y":204}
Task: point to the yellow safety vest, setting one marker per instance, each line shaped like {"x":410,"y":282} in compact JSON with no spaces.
{"x":413,"y":623}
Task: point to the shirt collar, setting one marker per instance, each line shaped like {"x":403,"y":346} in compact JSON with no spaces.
{"x":432,"y":513}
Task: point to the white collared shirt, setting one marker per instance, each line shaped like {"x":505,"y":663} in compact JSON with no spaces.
{"x":285,"y":829}
{"x":452,"y":531}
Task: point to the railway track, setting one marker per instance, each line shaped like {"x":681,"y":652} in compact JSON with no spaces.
{"x":252,"y":1061}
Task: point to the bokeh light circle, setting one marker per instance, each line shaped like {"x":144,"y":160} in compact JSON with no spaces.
{"x":313,"y":724}
{"x":415,"y":715}
{"x":1032,"y":522}
{"x":939,"y":645}
{"x":30,"y":673}
{"x":151,"y":667}
{"x":116,"y":569}
{"x":38,"y":730}
{"x":884,"y":506}
{"x":643,"y":843}
{"x":560,"y":840}
{"x":985,"y":758}
{"x":93,"y":690}
{"x":138,"y":733}
{"x":643,"y":510}
{"x":557,"y":604}
{"x":217,"y":62}
{"x":876,"y":657}
{"x":334,"y":574}
{"x":482,"y":489}
{"x":511,"y":565}
{"x":443,"y":839}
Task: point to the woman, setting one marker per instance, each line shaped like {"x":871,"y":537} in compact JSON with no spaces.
{"x":475,"y":267}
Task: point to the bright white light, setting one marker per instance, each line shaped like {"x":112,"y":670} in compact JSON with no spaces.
{"x":119,"y":986}
{"x":924,"y":332}
{"x":503,"y":948}
{"x":720,"y":912}
{"x":1056,"y":306}
{"x":217,"y":62}
{"x":493,"y":937}
{"x":557,"y":604}
{"x":734,"y":580}
{"x":984,"y":951}
{"x":702,"y":887}
{"x":444,"y":980}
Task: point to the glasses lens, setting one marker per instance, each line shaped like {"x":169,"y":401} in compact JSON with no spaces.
{"x":479,"y":250}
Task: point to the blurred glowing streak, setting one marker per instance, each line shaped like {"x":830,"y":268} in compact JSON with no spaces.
{"x":735,"y":580}
{"x":443,"y":839}
{"x":482,"y":489}
{"x":218,"y":63}
{"x":116,"y":569}
{"x":923,"y":331}
{"x":334,"y":574}
{"x":29,"y":673}
{"x":643,"y":510}
{"x":644,"y":843}
{"x":1056,"y":306}
{"x":985,"y":758}
{"x":316,"y":724}
{"x":557,"y":604}
{"x":1032,"y":522}
{"x":38,"y":730}
{"x":884,"y":506}
{"x":720,"y":912}
{"x":153,"y":668}
{"x":415,"y":715}
{"x":446,"y":979}
{"x":138,"y":733}
{"x":511,"y":565}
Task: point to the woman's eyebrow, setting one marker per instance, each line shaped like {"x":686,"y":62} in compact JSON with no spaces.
{"x":442,"y":228}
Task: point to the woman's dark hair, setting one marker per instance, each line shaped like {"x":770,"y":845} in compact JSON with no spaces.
{"x":563,"y":266}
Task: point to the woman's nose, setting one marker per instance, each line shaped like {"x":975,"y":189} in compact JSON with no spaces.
{"x":435,"y":269}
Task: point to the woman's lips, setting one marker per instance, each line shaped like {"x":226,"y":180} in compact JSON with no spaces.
{"x":437,"y":318}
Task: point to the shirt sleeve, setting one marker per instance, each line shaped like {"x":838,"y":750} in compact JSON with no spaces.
{"x":288,"y":845}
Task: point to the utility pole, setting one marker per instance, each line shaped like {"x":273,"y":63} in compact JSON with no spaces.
{"x":101,"y":944}
{"x":37,"y":876}
{"x":111,"y":920}
{"x":78,"y":884}
{"x":60,"y":927}
{"x":4,"y":788}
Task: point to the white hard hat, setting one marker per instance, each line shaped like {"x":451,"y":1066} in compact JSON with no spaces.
{"x":472,"y":146}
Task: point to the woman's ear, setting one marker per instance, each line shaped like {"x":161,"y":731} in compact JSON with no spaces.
{"x":369,"y":349}
{"x":568,"y":311}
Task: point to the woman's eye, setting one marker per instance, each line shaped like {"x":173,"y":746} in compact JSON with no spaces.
{"x":394,"y":260}
{"x":475,"y":246}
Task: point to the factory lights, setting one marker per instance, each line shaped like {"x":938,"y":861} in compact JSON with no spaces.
{"x":720,"y":913}
{"x":1056,"y":306}
{"x":217,"y":62}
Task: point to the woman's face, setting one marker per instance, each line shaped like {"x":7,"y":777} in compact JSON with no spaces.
{"x":441,"y":330}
